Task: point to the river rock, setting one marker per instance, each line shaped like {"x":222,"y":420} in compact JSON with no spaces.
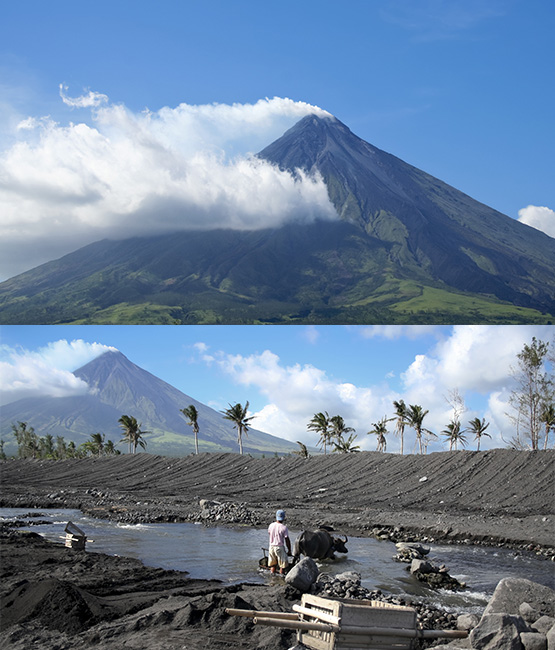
{"x":421,"y":566}
{"x":528,"y":613}
{"x":435,"y":577}
{"x":303,"y":575}
{"x":207,"y":503}
{"x":342,"y":585}
{"x":214,"y":512}
{"x":510,"y":593}
{"x":409,"y":551}
{"x":543,"y":624}
{"x":498,"y":632}
{"x":417,"y":548}
{"x":533,"y":641}
{"x":467,"y":621}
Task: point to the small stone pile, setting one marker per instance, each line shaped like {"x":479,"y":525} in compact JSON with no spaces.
{"x":409,"y":551}
{"x":216,"y":512}
{"x":434,"y":576}
{"x":348,"y":585}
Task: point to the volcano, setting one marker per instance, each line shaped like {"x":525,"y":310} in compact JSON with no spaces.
{"x":405,"y":248}
{"x":117,"y":387}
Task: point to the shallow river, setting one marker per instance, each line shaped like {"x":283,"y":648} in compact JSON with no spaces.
{"x":232,"y":554}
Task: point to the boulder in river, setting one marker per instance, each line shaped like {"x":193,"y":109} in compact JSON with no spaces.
{"x":511,"y":593}
{"x":498,"y":632}
{"x":518,"y":616}
{"x":303,"y":575}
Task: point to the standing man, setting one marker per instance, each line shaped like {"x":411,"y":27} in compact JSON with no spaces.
{"x":279,"y":539}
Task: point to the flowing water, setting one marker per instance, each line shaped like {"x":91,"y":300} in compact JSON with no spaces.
{"x":232,"y":554}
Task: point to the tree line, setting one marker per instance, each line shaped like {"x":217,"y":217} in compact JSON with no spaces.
{"x":533,"y":414}
{"x":31,"y":445}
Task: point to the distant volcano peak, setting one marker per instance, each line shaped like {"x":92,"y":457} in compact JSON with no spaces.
{"x":307,"y":143}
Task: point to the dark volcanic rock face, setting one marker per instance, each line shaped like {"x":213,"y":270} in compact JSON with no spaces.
{"x":463,"y":243}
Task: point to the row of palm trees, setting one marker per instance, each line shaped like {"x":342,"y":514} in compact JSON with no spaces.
{"x":333,"y":430}
{"x":30,"y":445}
{"x":333,"y":433}
{"x":48,"y":447}
{"x":413,"y":417}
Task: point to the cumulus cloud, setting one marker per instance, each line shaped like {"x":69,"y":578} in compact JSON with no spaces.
{"x":538,"y":217}
{"x":295,"y":393}
{"x":46,"y":371}
{"x":123,"y":174}
{"x":475,"y":361}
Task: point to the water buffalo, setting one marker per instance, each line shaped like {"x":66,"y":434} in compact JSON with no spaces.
{"x":319,"y":545}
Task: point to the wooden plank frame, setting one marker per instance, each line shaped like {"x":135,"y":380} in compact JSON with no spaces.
{"x":353,"y":617}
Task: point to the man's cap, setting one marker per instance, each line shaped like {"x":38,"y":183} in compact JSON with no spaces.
{"x":280,"y":515}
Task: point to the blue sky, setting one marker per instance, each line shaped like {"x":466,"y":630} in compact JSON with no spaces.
{"x":112,"y":114}
{"x":289,"y":373}
{"x":109,"y":109}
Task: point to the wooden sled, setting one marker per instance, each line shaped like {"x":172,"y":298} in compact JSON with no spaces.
{"x":341,"y":624}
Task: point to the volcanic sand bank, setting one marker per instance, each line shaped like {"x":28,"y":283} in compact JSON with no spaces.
{"x":497,"y":496}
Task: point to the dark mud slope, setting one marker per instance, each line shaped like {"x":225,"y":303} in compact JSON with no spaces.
{"x":504,"y":493}
{"x":52,"y":597}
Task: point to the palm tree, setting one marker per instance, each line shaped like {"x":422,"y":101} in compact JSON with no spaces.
{"x":547,"y":416}
{"x":321,"y":424}
{"x":27,"y":440}
{"x":95,"y":446}
{"x":46,"y":446}
{"x":342,"y":446}
{"x":61,"y":447}
{"x":454,"y":434}
{"x":478,"y":428}
{"x":380,"y":429}
{"x":402,"y":413}
{"x":303,"y":451}
{"x":109,"y":448}
{"x":338,"y":428}
{"x":416,"y":417}
{"x":192,"y":414}
{"x":132,"y":433}
{"x":238,"y":415}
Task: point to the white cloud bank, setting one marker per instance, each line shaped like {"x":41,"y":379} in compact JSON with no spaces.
{"x":538,"y":217}
{"x":46,"y":372}
{"x":125,"y":174}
